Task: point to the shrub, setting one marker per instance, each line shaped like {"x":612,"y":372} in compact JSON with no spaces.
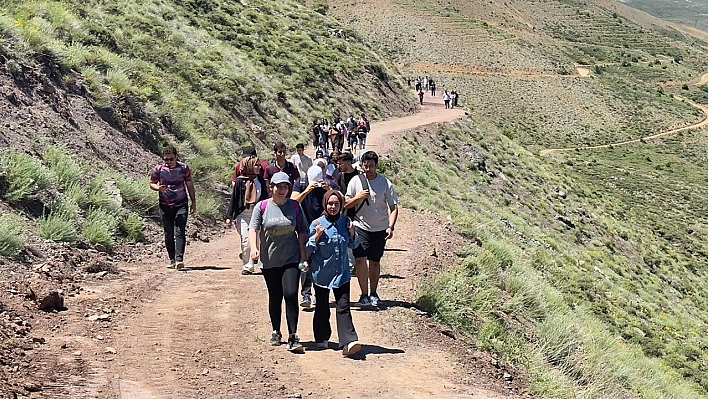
{"x":137,"y":194}
{"x":24,"y":174}
{"x":100,"y":227}
{"x":133,"y":226}
{"x":65,"y":169}
{"x":58,"y":227}
{"x":209,"y":206}
{"x":12,"y":239}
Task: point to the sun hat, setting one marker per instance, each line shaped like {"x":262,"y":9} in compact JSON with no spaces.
{"x":280,"y":177}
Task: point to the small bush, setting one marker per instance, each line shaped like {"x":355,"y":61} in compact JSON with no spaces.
{"x":65,"y":169}
{"x":24,"y":174}
{"x":137,"y":194}
{"x":77,"y":193}
{"x":133,"y":226}
{"x":58,"y":226}
{"x":100,"y":227}
{"x":12,"y":239}
{"x":209,"y":206}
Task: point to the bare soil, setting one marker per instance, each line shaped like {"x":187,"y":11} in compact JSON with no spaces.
{"x":149,"y":332}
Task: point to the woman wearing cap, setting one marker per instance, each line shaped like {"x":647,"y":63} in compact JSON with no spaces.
{"x":330,"y":236}
{"x":249,"y":188}
{"x":280,"y":225}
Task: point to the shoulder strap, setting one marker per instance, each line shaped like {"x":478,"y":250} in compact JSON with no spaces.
{"x":271,"y":170}
{"x":296,"y":205}
{"x":364,"y":186}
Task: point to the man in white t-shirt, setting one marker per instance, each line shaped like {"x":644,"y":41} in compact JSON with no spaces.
{"x":301,"y":161}
{"x":375,"y":202}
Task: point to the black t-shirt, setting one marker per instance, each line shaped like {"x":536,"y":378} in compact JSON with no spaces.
{"x":312,"y":204}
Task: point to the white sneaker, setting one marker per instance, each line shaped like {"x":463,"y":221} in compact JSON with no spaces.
{"x":179,"y":265}
{"x":324,"y":344}
{"x":351,"y":349}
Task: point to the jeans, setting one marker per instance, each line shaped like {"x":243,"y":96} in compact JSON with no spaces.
{"x":282,"y":283}
{"x":174,"y":222}
{"x":320,"y":321}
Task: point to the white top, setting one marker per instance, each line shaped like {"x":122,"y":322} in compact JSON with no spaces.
{"x":374,"y":216}
{"x":302,"y":163}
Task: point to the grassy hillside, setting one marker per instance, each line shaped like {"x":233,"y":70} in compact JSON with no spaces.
{"x":110,"y":82}
{"x":592,"y":269}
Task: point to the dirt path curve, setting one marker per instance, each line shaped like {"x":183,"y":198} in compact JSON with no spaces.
{"x":698,"y":125}
{"x":202,"y":332}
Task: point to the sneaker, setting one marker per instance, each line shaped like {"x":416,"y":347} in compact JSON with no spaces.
{"x":351,"y":349}
{"x":324,"y":344}
{"x":294,"y":344}
{"x":306,"y":301}
{"x":179,"y":265}
{"x":364,"y":302}
{"x":245,"y":272}
{"x":276,"y":338}
{"x":374,"y":298}
{"x":171,"y":265}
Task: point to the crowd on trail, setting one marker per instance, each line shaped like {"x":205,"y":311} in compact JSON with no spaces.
{"x":334,"y":136}
{"x":307,"y":224}
{"x":426,"y":83}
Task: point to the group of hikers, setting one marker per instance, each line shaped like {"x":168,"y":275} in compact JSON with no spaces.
{"x":334,"y":136}
{"x":307,"y":224}
{"x":423,"y":84}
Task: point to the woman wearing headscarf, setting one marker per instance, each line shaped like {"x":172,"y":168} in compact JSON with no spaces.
{"x":330,"y":236}
{"x":249,"y":188}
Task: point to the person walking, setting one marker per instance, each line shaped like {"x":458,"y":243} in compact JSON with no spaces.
{"x":280,"y":224}
{"x":309,"y":195}
{"x":249,"y":189}
{"x":376,"y":205}
{"x":248,"y":152}
{"x":281,"y":164}
{"x":432,"y":88}
{"x":330,"y":236}
{"x":173,"y":180}
{"x":301,"y":161}
{"x":420,"y":95}
{"x":361,"y":132}
{"x":446,"y":99}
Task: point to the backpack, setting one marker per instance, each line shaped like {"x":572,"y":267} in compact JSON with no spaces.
{"x":296,"y":205}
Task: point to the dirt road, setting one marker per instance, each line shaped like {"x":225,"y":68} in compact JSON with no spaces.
{"x":203,"y":332}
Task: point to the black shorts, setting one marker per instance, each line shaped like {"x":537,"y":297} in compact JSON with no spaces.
{"x":371,"y":244}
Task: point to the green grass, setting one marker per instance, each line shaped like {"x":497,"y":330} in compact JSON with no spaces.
{"x":12,"y":237}
{"x":65,"y":169}
{"x":599,"y":310}
{"x":100,"y":227}
{"x":25,"y":176}
{"x":210,"y":206}
{"x":132,"y":226}
{"x":137,"y":195}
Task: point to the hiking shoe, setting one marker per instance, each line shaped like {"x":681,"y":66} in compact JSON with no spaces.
{"x":171,"y":265}
{"x":276,"y":338}
{"x":245,"y":272}
{"x":364,"y":302}
{"x":324,"y":344}
{"x":306,"y":301}
{"x":179,"y":265}
{"x":374,"y":298}
{"x":294,"y":344}
{"x":351,"y":349}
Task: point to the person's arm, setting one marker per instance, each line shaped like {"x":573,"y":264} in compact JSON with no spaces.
{"x":392,"y":217}
{"x":155,"y":184}
{"x":192,"y":197}
{"x":300,"y":196}
{"x":302,"y":235}
{"x":254,"y":228}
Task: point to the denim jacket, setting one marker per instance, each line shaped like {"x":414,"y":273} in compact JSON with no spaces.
{"x":330,"y":262}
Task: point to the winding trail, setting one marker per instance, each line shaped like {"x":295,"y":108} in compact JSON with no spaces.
{"x":202,"y":332}
{"x":698,"y":125}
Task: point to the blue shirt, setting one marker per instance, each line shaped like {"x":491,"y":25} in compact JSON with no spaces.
{"x":330,"y":262}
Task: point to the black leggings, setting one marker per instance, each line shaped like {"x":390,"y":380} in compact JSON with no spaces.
{"x":283,"y":282}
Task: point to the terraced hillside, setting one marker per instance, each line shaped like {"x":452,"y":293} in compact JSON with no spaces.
{"x":618,"y":234}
